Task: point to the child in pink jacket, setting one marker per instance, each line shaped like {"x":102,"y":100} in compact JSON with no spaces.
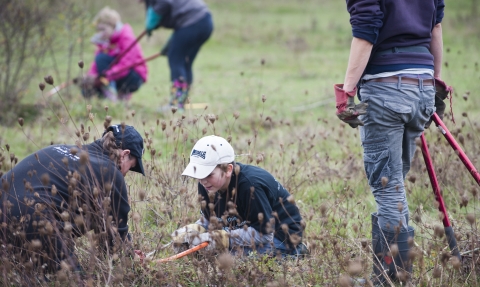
{"x":119,"y":80}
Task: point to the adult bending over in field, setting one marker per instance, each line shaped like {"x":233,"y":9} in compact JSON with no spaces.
{"x":63,"y":191}
{"x":192,"y":24}
{"x":243,"y":207}
{"x":395,"y":69}
{"x":109,"y":79}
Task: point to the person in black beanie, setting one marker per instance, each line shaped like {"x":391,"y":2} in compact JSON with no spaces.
{"x":61,"y":192}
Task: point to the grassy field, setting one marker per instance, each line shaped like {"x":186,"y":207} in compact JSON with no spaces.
{"x":289,"y":53}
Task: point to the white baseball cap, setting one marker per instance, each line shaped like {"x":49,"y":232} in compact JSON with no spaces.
{"x":207,"y":153}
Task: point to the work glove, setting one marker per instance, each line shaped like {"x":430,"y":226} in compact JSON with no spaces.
{"x":182,"y":236}
{"x":347,"y":111}
{"x":152,"y":21}
{"x":441,"y":93}
{"x":100,"y":81}
{"x":217,"y":239}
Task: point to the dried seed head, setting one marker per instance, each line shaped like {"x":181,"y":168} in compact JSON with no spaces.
{"x":354,"y":268}
{"x":262,"y":62}
{"x":437,"y":271}
{"x":384,"y":181}
{"x":291,"y":199}
{"x":65,"y":216}
{"x":455,"y":262}
{"x":36,"y":244}
{"x":48,"y":79}
{"x":394,"y":250}
{"x":345,"y":281}
{"x":225,"y":261}
{"x":264,"y":98}
{"x":260,"y":217}
{"x":54,"y":190}
{"x":84,"y":158}
{"x":236,"y":114}
{"x":400,"y":206}
{"x":136,"y":217}
{"x":174,"y":110}
{"x":211,"y":118}
{"x":259,"y":158}
{"x":45,"y":178}
{"x":80,"y":64}
{"x":471,"y":218}
{"x":20,"y":121}
{"x":439,"y":231}
{"x":41,"y":86}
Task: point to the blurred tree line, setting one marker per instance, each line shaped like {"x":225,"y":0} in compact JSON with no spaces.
{"x":35,"y":36}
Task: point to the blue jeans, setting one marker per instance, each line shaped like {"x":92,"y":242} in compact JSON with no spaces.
{"x":125,"y":85}
{"x":184,"y":45}
{"x":267,"y":249}
{"x":396,"y":116}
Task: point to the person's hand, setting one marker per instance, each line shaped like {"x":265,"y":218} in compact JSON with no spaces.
{"x":100,"y":81}
{"x":347,"y":111}
{"x":217,"y":239}
{"x":152,"y":20}
{"x":441,"y":93}
{"x":183,"y":234}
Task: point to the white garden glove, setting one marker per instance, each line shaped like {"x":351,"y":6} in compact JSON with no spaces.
{"x":217,"y":239}
{"x":182,"y":236}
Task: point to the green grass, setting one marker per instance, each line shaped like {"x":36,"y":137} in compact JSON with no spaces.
{"x":304,"y":45}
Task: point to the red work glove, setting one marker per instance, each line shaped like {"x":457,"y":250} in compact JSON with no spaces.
{"x":347,"y":111}
{"x":442,"y":91}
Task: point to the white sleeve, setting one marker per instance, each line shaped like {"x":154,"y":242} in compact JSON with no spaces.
{"x":249,"y":237}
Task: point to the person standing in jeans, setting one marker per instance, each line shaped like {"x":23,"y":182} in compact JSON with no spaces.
{"x":192,"y":24}
{"x":394,"y":67}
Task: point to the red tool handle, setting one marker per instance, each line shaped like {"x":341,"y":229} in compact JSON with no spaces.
{"x":434,"y":181}
{"x":456,"y":147}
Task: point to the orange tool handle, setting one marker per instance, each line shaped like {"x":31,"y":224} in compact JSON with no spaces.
{"x":184,"y":253}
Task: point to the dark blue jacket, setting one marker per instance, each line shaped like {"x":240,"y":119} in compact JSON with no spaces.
{"x":62,"y":178}
{"x":256,"y":191}
{"x":396,"y":23}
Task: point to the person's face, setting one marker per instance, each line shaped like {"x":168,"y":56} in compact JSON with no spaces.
{"x":105,"y":30}
{"x":127,"y":161}
{"x":217,"y":180}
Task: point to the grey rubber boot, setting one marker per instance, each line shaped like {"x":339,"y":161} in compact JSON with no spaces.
{"x":399,"y":267}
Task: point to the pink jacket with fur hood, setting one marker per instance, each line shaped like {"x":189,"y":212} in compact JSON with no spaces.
{"x":119,"y":41}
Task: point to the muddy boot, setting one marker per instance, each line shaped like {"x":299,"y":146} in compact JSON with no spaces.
{"x":179,"y":94}
{"x":396,"y":247}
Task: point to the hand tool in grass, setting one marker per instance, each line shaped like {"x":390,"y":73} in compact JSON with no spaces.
{"x":452,"y":242}
{"x":449,"y":234}
{"x":144,"y":256}
{"x":184,"y":253}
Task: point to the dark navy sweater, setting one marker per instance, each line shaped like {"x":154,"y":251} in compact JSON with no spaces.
{"x":63,"y":180}
{"x":396,"y":23}
{"x":256,"y":191}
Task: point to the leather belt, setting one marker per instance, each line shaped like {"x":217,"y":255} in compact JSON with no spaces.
{"x":410,"y":81}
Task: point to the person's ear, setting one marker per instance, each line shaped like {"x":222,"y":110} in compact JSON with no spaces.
{"x":125,"y":152}
{"x":229,"y":170}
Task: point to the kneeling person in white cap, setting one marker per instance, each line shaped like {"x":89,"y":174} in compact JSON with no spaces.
{"x":243,"y":207}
